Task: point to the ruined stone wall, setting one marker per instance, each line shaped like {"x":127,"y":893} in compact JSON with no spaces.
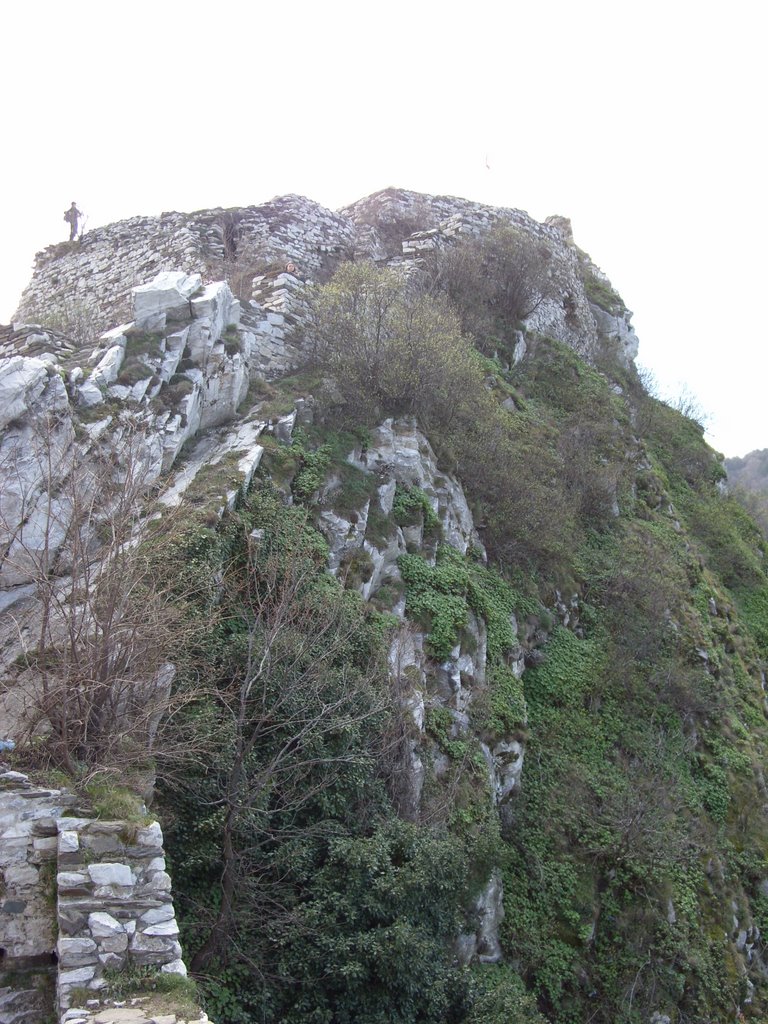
{"x":81,"y":898}
{"x":257,"y":249}
{"x":92,"y":278}
{"x":114,"y":905}
{"x":28,"y":929}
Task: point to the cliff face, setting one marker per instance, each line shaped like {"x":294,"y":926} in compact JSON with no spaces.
{"x":451,"y":668}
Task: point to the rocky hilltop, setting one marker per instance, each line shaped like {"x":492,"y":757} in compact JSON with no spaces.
{"x":353,"y":542}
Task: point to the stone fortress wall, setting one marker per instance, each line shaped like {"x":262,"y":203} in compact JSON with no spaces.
{"x":94,"y":276}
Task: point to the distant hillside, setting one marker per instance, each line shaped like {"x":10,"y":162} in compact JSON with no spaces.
{"x":748,"y":477}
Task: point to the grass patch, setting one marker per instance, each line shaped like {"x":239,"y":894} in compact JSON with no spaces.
{"x":116,"y":803}
{"x":168,"y":993}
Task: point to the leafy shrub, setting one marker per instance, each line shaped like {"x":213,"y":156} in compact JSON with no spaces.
{"x":507,"y":710}
{"x":495,"y":280}
{"x":392,"y":350}
{"x":501,"y":998}
{"x":373,"y":943}
{"x":411,"y":505}
{"x":436,"y":596}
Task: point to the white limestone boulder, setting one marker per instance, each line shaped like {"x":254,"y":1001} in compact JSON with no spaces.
{"x":168,"y":293}
{"x":224,"y":391}
{"x":28,"y":385}
{"x":108,"y":367}
{"x":41,"y":536}
{"x":214,"y":308}
{"x":89,"y":394}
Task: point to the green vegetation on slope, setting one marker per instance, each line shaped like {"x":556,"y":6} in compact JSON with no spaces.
{"x":633,"y":854}
{"x":639,"y":825}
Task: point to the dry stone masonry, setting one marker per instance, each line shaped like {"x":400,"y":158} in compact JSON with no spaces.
{"x":28,"y":928}
{"x":95,"y":275}
{"x":80,"y":898}
{"x":114,"y":904}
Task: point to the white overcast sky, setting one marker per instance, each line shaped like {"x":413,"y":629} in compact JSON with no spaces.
{"x":642,"y":122}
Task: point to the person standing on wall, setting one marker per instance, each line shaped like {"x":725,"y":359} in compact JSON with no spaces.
{"x":72,"y":216}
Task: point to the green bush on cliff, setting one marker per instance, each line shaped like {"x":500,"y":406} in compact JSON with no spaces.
{"x":412,"y":505}
{"x":440,"y":596}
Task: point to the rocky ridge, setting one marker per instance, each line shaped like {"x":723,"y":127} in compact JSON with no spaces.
{"x":178,"y":374}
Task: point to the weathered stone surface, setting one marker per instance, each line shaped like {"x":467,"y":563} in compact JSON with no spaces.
{"x":89,"y":394}
{"x":617,"y":329}
{"x":76,"y":952}
{"x":69,"y":880}
{"x":108,"y":367}
{"x":110,"y":874}
{"x":103,"y":925}
{"x":120,"y":1015}
{"x":141,"y":944}
{"x":400,"y":450}
{"x":152,"y":835}
{"x":164,"y":928}
{"x":159,"y":881}
{"x":14,"y":906}
{"x":175,"y":967}
{"x":169,"y":292}
{"x":69,"y":842}
{"x":22,"y":384}
{"x":21,"y":876}
{"x":80,"y":976}
{"x":158,"y":914}
{"x":115,"y":943}
{"x":213,"y":307}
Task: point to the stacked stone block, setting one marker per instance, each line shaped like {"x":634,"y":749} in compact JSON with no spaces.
{"x":79,"y":898}
{"x":96,"y":274}
{"x":27,"y":913}
{"x":114,"y":903}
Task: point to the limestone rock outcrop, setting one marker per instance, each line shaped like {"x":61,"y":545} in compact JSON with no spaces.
{"x":398,"y":454}
{"x":141,"y":343}
{"x":269,"y":252}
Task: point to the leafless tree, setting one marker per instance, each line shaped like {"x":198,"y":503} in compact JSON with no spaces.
{"x":96,"y":667}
